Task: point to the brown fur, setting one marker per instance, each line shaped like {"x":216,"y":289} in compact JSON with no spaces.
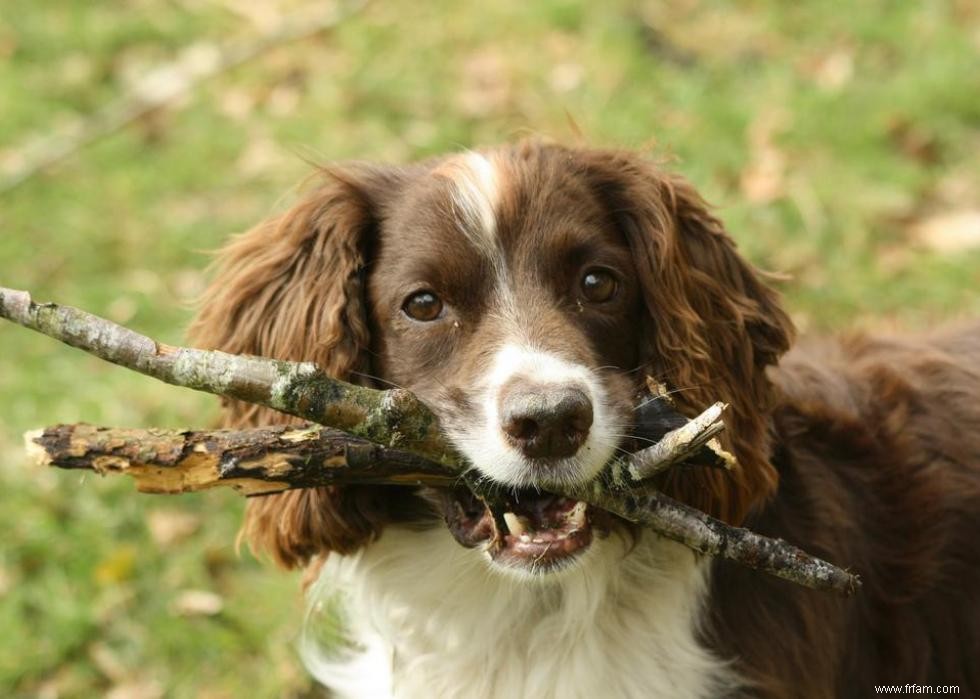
{"x":865,"y":452}
{"x":879,"y":465}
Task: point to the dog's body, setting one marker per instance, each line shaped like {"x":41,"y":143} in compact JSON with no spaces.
{"x":524,"y":293}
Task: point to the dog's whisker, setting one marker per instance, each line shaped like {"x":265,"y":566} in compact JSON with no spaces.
{"x":386,"y":382}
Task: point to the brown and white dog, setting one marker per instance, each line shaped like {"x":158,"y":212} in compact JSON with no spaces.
{"x":524,"y":293}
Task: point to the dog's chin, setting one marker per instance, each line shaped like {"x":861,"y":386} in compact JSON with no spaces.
{"x":528,"y":532}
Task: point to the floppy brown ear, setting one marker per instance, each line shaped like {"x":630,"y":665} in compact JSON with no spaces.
{"x":714,"y":324}
{"x":292,"y":288}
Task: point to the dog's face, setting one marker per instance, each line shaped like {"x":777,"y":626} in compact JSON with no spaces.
{"x":504,"y":297}
{"x":524,"y":293}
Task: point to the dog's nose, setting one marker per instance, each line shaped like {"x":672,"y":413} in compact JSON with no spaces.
{"x":545,"y":421}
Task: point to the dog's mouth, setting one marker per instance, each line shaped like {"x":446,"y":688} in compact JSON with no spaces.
{"x":523,"y":528}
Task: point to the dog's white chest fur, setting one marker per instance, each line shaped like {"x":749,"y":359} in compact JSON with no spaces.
{"x":431,"y":620}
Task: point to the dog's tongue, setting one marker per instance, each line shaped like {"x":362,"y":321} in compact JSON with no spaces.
{"x":535,"y":513}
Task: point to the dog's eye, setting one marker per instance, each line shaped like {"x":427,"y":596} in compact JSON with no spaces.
{"x":423,"y":306}
{"x":599,"y":285}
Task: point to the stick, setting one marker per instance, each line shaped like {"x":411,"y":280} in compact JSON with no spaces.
{"x":678,"y":445}
{"x":264,"y":460}
{"x":399,"y":421}
{"x":253,"y":461}
{"x":393,"y":418}
{"x":705,"y":534}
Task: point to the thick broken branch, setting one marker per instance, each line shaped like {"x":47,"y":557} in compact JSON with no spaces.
{"x":252,"y":461}
{"x":394,"y":419}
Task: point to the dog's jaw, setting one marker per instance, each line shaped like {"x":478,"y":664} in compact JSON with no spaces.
{"x":544,"y":534}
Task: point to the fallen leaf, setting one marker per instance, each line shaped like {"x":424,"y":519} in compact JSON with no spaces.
{"x":136,"y":689}
{"x":108,"y":662}
{"x":949,"y":232}
{"x":6,"y":582}
{"x":959,"y":186}
{"x":144,"y":281}
{"x":263,"y":15}
{"x":236,"y":103}
{"x":260,"y":156}
{"x":832,"y":71}
{"x":485,"y":85}
{"x":283,"y":100}
{"x":117,"y":566}
{"x":169,"y":526}
{"x":76,"y":70}
{"x":914,"y":141}
{"x":198,"y":603}
{"x":565,"y":77}
{"x":188,"y":283}
{"x":764,"y":178}
{"x":121,"y":309}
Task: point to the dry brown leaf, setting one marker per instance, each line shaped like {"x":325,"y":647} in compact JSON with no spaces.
{"x":236,"y":103}
{"x":76,"y":70}
{"x":832,"y":71}
{"x":263,"y":15}
{"x":122,"y":309}
{"x":198,"y":603}
{"x":260,"y":156}
{"x":283,"y":100}
{"x":949,"y":231}
{"x":168,"y":526}
{"x":136,"y":689}
{"x":565,"y":77}
{"x":485,"y":85}
{"x":914,"y":141}
{"x":188,"y":283}
{"x":959,"y":186}
{"x":108,"y":662}
{"x":117,"y":567}
{"x":764,"y":178}
{"x":6,"y":582}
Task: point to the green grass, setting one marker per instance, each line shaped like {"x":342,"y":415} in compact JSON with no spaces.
{"x":874,"y":116}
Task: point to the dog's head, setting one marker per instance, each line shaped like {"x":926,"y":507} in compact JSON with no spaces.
{"x":524,"y":293}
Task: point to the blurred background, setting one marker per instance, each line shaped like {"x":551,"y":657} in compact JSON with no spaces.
{"x":840,"y":145}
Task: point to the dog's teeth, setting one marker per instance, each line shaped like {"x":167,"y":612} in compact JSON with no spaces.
{"x":514,"y":524}
{"x":525,"y":538}
{"x":577,"y":515}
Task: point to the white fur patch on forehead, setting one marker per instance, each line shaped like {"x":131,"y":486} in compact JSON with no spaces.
{"x":475,"y":194}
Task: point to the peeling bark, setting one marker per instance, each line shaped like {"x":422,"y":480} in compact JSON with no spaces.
{"x":252,"y":461}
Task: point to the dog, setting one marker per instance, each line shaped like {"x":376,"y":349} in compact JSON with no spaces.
{"x":524,"y":293}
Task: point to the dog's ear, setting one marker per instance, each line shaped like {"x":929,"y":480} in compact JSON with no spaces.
{"x":292,"y":288}
{"x":714,"y":325}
